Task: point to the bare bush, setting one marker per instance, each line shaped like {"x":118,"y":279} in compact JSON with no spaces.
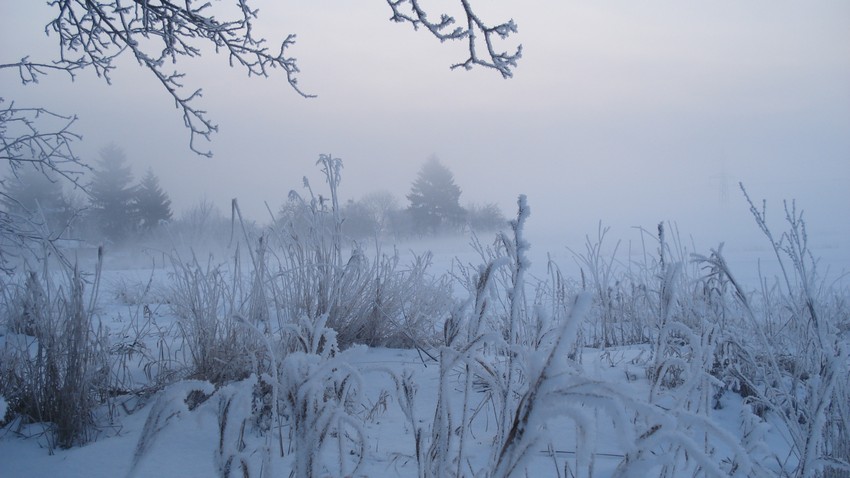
{"x":54,"y":363}
{"x":373,"y":302}
{"x":206,"y":299}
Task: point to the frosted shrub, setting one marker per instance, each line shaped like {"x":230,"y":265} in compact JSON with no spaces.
{"x":798,"y":368}
{"x":135,"y":292}
{"x":392,"y":305}
{"x":600,"y":275}
{"x":315,"y":272}
{"x":53,"y":359}
{"x":205,"y":300}
{"x":511,"y":365}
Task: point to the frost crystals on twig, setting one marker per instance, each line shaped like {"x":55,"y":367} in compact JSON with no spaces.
{"x":474,"y":31}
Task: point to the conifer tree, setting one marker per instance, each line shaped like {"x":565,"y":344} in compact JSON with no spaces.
{"x":112,"y":194}
{"x":151,"y":203}
{"x":435,"y":199}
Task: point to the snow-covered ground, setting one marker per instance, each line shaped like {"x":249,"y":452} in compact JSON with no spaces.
{"x":169,"y":433}
{"x":186,"y":444}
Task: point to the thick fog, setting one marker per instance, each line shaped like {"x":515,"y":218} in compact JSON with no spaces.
{"x":626,"y":112}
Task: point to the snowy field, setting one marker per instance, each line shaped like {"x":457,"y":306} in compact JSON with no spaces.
{"x":580,"y":389}
{"x":187,"y":443}
{"x":153,"y":326}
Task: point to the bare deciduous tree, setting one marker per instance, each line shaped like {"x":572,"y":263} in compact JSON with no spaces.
{"x":93,"y":34}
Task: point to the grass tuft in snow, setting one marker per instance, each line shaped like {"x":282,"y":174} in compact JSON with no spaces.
{"x":53,"y":360}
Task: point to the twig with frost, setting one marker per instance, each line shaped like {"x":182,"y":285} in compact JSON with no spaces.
{"x":473,"y":31}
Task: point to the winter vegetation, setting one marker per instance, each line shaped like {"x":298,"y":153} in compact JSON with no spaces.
{"x":301,"y":350}
{"x":326,"y":341}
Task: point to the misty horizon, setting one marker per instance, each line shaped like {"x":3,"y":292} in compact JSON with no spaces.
{"x":620,"y":249}
{"x":629,"y":115}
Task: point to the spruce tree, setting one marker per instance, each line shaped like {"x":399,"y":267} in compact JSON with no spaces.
{"x":151,"y":203}
{"x":112,"y":193}
{"x":435,"y":199}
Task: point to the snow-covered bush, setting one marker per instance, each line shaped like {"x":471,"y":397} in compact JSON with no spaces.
{"x":632,"y":301}
{"x":245,"y":421}
{"x":173,"y":403}
{"x":320,"y":391}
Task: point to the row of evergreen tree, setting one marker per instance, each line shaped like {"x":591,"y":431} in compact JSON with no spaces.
{"x":115,"y":207}
{"x":121,"y":208}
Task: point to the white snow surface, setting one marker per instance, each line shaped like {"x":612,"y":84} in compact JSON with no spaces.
{"x":186,"y":445}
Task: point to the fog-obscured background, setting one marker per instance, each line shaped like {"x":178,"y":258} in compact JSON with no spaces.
{"x":626,"y":112}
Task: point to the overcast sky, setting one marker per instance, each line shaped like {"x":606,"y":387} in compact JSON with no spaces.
{"x":621,"y":111}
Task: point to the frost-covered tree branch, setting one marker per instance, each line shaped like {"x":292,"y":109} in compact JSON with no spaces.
{"x":473,"y":31}
{"x":29,"y":71}
{"x":39,"y":137}
{"x":94,"y":33}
